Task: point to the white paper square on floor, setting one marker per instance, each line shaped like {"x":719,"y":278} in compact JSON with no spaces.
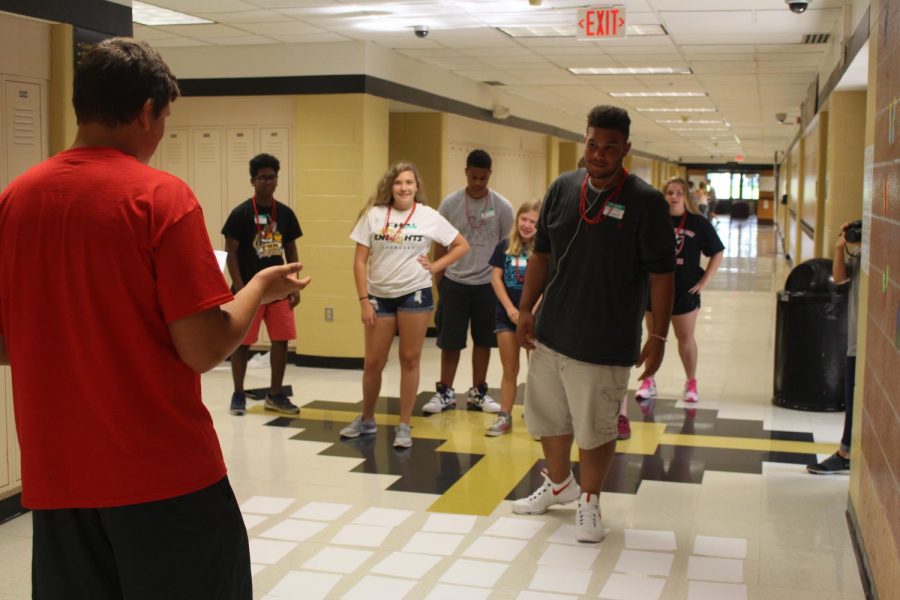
{"x":254,"y":569}
{"x":523,"y":529}
{"x":251,"y":521}
{"x":632,"y":587}
{"x":444,"y":591}
{"x":405,"y":564}
{"x":383,"y":588}
{"x":494,"y":548}
{"x":557,"y":555}
{"x":648,"y":539}
{"x":529,"y":595}
{"x":269,"y":552}
{"x":444,"y":523}
{"x":382,"y":517}
{"x":729,"y":570}
{"x":337,"y":560}
{"x":266,"y":505}
{"x":361,"y":535}
{"x":443,"y":544}
{"x":565,"y":534}
{"x":644,"y":563}
{"x":294,"y":530}
{"x":321,"y":511}
{"x":706,"y":590}
{"x":720,"y":546}
{"x":304,"y":584}
{"x":560,"y":580}
{"x":477,"y":573}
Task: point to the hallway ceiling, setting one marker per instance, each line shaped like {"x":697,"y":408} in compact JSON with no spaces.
{"x":748,"y":58}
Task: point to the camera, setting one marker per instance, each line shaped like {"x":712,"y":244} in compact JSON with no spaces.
{"x":853,"y":233}
{"x":421,"y":31}
{"x":798,"y":6}
{"x":781,"y":117}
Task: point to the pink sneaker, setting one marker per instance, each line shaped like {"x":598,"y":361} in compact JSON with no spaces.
{"x":690,"y":391}
{"x":647,"y":389}
{"x":623,"y":428}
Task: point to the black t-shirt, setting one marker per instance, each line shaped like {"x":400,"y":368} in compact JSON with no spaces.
{"x":597,"y":284}
{"x":698,"y":236}
{"x":260,"y":240}
{"x":513,"y":272}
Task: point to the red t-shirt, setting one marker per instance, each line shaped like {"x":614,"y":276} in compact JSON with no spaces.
{"x":98,"y":253}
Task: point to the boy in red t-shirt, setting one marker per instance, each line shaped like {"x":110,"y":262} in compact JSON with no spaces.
{"x":120,"y":461}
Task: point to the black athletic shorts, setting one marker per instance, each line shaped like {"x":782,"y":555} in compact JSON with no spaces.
{"x":458,"y":306}
{"x":189,"y":547}
{"x":684,"y":303}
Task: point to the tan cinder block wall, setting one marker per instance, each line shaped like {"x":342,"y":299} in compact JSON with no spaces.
{"x":421,"y":138}
{"x":874,"y":489}
{"x":62,"y":74}
{"x":845,"y":161}
{"x":341,"y":151}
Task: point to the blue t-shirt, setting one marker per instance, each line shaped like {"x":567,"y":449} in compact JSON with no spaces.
{"x":513,"y":271}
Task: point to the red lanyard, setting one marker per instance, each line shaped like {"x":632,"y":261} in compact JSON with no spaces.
{"x":600,"y":214}
{"x":679,"y":234}
{"x":387,"y":220}
{"x":520,"y":276}
{"x":480,"y":222}
{"x":259,"y":227}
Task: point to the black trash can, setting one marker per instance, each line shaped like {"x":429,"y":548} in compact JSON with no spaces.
{"x":811,"y":339}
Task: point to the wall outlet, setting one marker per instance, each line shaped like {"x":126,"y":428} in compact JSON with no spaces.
{"x":329,"y":313}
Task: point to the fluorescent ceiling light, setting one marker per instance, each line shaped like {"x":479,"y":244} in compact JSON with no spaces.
{"x":668,"y":109}
{"x":147,"y":14}
{"x":658,"y":94}
{"x":525,"y":31}
{"x":630,"y":70}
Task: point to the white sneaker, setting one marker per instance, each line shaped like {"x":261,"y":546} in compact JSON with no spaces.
{"x":402,"y":437}
{"x":479,"y":399}
{"x":588,"y":526}
{"x":547,"y":495}
{"x":444,"y":399}
{"x":647,"y":389}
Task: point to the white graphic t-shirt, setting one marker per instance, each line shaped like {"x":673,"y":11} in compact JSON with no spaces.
{"x":395,"y":246}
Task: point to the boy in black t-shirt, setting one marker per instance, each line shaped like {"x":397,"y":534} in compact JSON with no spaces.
{"x":259,"y":233}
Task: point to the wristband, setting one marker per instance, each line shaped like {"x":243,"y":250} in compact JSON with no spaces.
{"x":363,"y":297}
{"x":659,"y":337}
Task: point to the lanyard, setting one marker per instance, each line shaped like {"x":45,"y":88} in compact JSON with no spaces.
{"x":520,"y":276}
{"x":679,"y":234}
{"x":601,"y":215}
{"x":480,"y":222}
{"x":387,"y":220}
{"x":259,"y":227}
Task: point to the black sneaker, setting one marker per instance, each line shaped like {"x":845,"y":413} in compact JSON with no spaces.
{"x":833,"y":465}
{"x":281,"y":403}
{"x":238,"y":404}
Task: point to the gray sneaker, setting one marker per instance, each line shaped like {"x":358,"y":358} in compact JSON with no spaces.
{"x":502,"y":425}
{"x":358,"y":427}
{"x":402,"y":439}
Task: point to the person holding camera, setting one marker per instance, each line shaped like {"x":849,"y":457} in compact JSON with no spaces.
{"x":845,"y":269}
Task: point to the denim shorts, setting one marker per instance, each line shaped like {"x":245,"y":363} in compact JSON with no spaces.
{"x":419,"y":301}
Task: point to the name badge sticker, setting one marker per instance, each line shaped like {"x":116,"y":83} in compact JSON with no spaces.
{"x":616,"y":211}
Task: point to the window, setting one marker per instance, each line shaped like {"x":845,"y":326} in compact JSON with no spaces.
{"x":735,"y":186}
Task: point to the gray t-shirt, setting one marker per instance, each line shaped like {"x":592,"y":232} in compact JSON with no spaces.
{"x":852,"y":263}
{"x":483,"y":222}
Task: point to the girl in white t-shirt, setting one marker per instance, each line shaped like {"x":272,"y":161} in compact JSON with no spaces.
{"x":393,"y":279}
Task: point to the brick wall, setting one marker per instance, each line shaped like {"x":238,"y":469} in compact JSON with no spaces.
{"x":878,"y":503}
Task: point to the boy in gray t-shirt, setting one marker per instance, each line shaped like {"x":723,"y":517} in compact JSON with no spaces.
{"x":483,"y":217}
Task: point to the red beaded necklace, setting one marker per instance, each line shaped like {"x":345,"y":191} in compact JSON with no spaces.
{"x":387,"y":219}
{"x":601,"y":215}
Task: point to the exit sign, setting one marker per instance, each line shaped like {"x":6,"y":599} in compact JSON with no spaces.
{"x":601,"y":22}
